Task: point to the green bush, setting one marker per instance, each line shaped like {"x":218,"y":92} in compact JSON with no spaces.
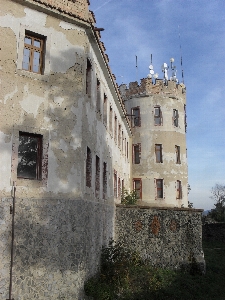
{"x":129,"y":198}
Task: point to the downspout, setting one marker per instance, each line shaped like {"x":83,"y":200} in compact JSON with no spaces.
{"x":12,"y":211}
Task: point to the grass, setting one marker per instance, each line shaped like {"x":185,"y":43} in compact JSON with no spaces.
{"x":124,"y":276}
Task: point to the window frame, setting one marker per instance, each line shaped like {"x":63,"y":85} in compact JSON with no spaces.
{"x":136,"y":120}
{"x":175,"y":118}
{"x":97,"y":175}
{"x":178,"y":189}
{"x":177,"y":152}
{"x":39,"y":157}
{"x":32,"y":48}
{"x":140,"y":189}
{"x":88,"y":167}
{"x":104,"y":180}
{"x":88,"y":77}
{"x":159,"y":189}
{"x":136,"y":153}
{"x":160,"y":153}
{"x":158,"y":117}
{"x":115,"y":183}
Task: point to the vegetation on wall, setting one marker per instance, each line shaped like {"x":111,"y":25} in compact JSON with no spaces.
{"x":129,"y":198}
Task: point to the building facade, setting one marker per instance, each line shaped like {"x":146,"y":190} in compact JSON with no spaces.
{"x":70,"y":142}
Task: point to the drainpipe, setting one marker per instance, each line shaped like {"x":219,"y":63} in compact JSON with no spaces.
{"x":12,"y":211}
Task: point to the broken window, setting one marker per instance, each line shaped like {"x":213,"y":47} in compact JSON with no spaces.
{"x":159,"y":188}
{"x":177,"y":151}
{"x":137,"y":186}
{"x":105,"y":110}
{"x":136,"y":119}
{"x":157,"y":115}
{"x":88,"y":167}
{"x":104,"y":180}
{"x":115,"y":184}
{"x":98,"y":102}
{"x":136,"y":153}
{"x":179,"y":190}
{"x":33,"y":52}
{"x":88,"y":78}
{"x":97,"y":175}
{"x":175,"y":117}
{"x":158,"y":153}
{"x":29,"y":156}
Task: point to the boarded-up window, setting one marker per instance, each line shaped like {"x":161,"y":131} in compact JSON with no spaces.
{"x":88,"y":167}
{"x":29,"y":156}
{"x":157,"y":115}
{"x":136,"y":153}
{"x":158,"y":153}
{"x":137,"y":186}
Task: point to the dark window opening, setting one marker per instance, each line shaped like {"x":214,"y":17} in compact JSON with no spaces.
{"x":88,"y":167}
{"x":159,"y":188}
{"x":177,"y":150}
{"x":115,"y":128}
{"x":157,"y":116}
{"x":136,"y":119}
{"x":137,"y":186}
{"x":119,"y":188}
{"x":158,"y":153}
{"x":98,"y":103}
{"x":175,"y":117}
{"x":136,"y":153}
{"x":179,"y":190}
{"x":97,"y":175}
{"x":110,"y":118}
{"x":105,"y":109}
{"x":104,"y":180}
{"x":29,"y":156}
{"x":33,"y":52}
{"x":115,"y":184}
{"x":88,"y":78}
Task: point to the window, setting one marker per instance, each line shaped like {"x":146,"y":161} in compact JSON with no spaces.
{"x":104,"y":184}
{"x":88,"y":167}
{"x":127,"y":150}
{"x":136,"y":153}
{"x":122,"y":141}
{"x":119,"y":135}
{"x":105,"y":110}
{"x":115,"y":128}
{"x":119,"y":188}
{"x":179,"y":190}
{"x":158,"y":153}
{"x":177,"y":151}
{"x":33,"y":53}
{"x":136,"y":120}
{"x":185,"y":118}
{"x":159,"y":188}
{"x":157,"y":115}
{"x":110,"y":118}
{"x":175,"y":117}
{"x":137,"y":186}
{"x":88,"y":78}
{"x":97,"y":176}
{"x":29,"y":156}
{"x":115,"y":184}
{"x":98,"y":102}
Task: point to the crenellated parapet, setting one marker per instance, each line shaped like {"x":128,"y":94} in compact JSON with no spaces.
{"x":148,"y":87}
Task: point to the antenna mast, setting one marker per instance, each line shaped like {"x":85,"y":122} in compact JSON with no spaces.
{"x":181,"y":60}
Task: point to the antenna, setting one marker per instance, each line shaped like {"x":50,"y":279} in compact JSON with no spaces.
{"x":152,"y":73}
{"x":181,"y":60}
{"x":136,"y":69}
{"x":165,"y":69}
{"x":174,"y":71}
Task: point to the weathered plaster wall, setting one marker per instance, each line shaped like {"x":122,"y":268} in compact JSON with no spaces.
{"x":168,"y":97}
{"x":168,"y":237}
{"x":57,"y":246}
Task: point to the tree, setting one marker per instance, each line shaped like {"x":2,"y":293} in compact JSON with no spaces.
{"x":218,"y":195}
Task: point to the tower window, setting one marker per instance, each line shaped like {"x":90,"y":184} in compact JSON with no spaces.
{"x":177,"y":151}
{"x":97,"y":176}
{"x":136,"y":153}
{"x":33,"y":53}
{"x":137,"y":186}
{"x":157,"y":116}
{"x":175,"y":117}
{"x":29,"y":156}
{"x":136,"y":119}
{"x":158,"y":153}
{"x":88,"y":78}
{"x":159,"y":188}
{"x":105,"y":110}
{"x":88,"y":167}
{"x":179,"y":190}
{"x":104,"y":180}
{"x":98,"y":102}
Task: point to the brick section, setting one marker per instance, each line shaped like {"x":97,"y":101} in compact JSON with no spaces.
{"x":75,"y":8}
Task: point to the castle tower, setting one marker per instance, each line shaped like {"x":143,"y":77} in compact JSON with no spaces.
{"x":159,"y":160}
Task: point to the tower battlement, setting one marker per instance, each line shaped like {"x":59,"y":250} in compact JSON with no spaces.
{"x":147,"y":87}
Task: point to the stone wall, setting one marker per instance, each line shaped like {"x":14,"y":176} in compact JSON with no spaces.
{"x":57,"y":246}
{"x":168,"y":237}
{"x":214,"y":232}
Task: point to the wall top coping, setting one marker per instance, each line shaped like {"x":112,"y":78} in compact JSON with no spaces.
{"x":160,"y":208}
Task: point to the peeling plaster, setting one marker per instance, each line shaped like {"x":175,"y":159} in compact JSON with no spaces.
{"x":5,"y":161}
{"x":29,"y":99}
{"x":10,"y":95}
{"x":69,"y":26}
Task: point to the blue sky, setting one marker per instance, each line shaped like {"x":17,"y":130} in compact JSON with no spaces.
{"x":142,"y":28}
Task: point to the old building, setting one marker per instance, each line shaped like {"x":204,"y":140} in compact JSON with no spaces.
{"x":70,"y":142}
